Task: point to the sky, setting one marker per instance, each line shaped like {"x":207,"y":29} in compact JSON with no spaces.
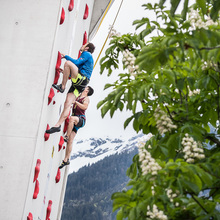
{"x":96,"y":126}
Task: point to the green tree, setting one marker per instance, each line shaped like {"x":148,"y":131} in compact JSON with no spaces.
{"x":171,"y":85}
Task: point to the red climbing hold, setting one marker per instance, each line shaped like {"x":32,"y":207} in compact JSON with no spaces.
{"x":62,"y":18}
{"x":36,"y":190}
{"x":51,"y":95}
{"x":63,"y":147}
{"x":58,"y":61}
{"x":86,"y":13}
{"x":57,"y":76}
{"x":85,"y":38}
{"x":71,"y":5}
{"x":49,"y":210}
{"x":46,"y":135}
{"x":58,"y":176}
{"x":37,"y":170}
{"x":61,"y":142}
{"x":54,"y":102}
{"x":79,"y":54}
{"x":57,"y":69}
{"x":30,"y":216}
{"x":66,"y":123}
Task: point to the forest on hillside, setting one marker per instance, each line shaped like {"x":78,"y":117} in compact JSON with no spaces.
{"x":88,"y":191}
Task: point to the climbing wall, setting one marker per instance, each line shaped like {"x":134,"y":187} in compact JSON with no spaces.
{"x":33,"y":34}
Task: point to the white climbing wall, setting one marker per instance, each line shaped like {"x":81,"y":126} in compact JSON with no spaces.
{"x":32,"y":33}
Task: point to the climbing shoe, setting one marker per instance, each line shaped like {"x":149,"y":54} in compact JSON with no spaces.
{"x":63,"y":164}
{"x":58,"y":87}
{"x":53,"y":130}
{"x":66,"y":138}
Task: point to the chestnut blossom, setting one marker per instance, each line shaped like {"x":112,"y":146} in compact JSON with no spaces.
{"x":163,"y":122}
{"x":152,"y":190}
{"x":171,"y":195}
{"x":148,"y":163}
{"x":197,"y":22}
{"x":129,"y":62}
{"x":113,"y":32}
{"x":155,"y":213}
{"x":194,"y":92}
{"x":192,"y":149}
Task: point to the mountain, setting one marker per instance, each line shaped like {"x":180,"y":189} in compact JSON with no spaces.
{"x":89,"y":151}
{"x":88,"y":191}
{"x":97,"y":169}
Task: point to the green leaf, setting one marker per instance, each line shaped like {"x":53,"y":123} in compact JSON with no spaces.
{"x":105,"y":108}
{"x":119,"y":215}
{"x":191,"y":82}
{"x":132,"y":171}
{"x":215,"y":10}
{"x":100,"y":103}
{"x":205,"y":177}
{"x":164,"y":150}
{"x":129,"y":99}
{"x":161,"y":3}
{"x":185,"y":7}
{"x":112,"y":111}
{"x":174,"y":5}
{"x":118,"y":96}
{"x":136,"y":125}
{"x":192,"y":187}
{"x":148,"y":6}
{"x":108,"y":85}
{"x":180,"y":83}
{"x":141,"y":22}
{"x":128,"y":120}
{"x":202,"y":5}
{"x":132,"y":214}
{"x":134,"y":107}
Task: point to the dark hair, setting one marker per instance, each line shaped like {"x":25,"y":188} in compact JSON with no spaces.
{"x":91,"y":91}
{"x":91,"y":47}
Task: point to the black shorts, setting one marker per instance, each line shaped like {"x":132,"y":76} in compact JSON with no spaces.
{"x":78,"y":84}
{"x":80,"y":124}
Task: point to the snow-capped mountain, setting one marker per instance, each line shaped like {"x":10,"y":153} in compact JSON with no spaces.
{"x":89,"y":151}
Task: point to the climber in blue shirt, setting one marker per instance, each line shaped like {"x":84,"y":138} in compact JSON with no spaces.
{"x":85,"y":63}
{"x":80,"y":71}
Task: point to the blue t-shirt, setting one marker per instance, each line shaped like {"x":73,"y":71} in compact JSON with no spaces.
{"x":85,"y":63}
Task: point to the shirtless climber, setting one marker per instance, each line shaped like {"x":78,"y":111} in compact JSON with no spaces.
{"x":80,"y":71}
{"x":77,"y":120}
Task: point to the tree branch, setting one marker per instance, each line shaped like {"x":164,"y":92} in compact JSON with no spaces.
{"x":187,"y":46}
{"x":199,"y":204}
{"x":209,"y":48}
{"x":216,"y":190}
{"x":212,"y":138}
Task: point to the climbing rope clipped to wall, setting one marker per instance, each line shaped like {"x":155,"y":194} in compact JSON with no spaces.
{"x":109,"y":30}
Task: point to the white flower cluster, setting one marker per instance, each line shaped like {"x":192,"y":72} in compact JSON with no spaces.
{"x":113,"y":32}
{"x":194,"y":92}
{"x":170,"y":194}
{"x":148,"y":163}
{"x":192,"y":149}
{"x":129,"y":61}
{"x":152,"y":190}
{"x":197,"y":22}
{"x":163,"y":122}
{"x":155,"y":213}
{"x":208,"y":64}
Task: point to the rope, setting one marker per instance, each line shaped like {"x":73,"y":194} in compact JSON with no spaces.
{"x":108,"y":34}
{"x":104,"y":16}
